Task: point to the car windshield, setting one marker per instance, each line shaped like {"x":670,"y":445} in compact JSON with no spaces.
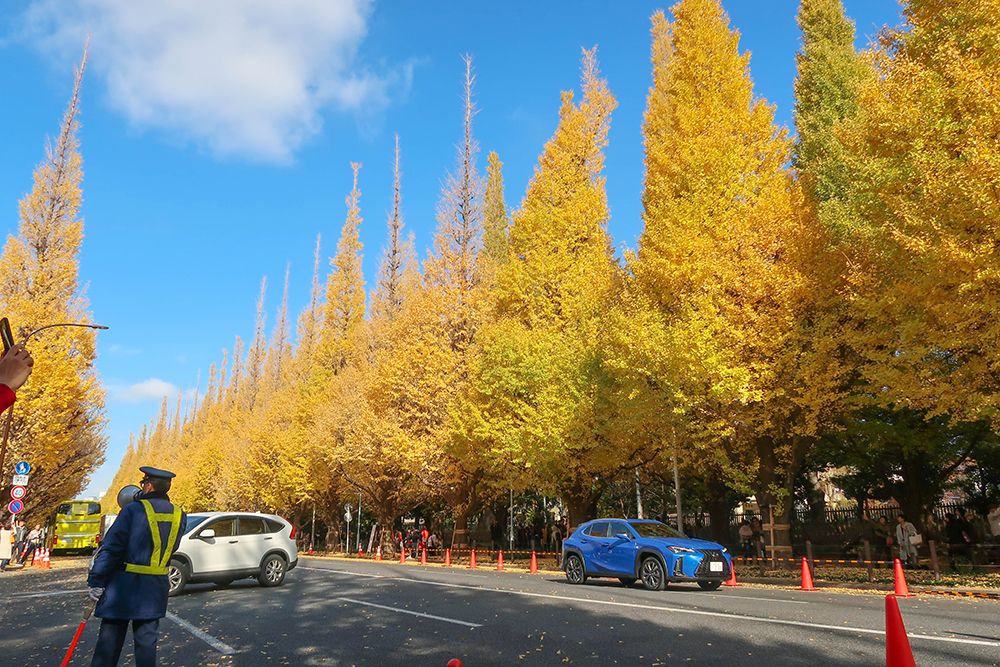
{"x":655,"y":529}
{"x":192,"y":522}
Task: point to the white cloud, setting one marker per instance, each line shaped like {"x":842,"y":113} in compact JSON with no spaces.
{"x":153,"y":389}
{"x":244,"y":78}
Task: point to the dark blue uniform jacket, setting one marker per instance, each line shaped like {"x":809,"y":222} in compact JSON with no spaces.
{"x":129,"y":595}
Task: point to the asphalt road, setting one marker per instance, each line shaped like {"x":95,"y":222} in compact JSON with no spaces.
{"x":362,"y":613}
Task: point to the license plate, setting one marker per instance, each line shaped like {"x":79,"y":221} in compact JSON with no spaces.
{"x":715,"y":567}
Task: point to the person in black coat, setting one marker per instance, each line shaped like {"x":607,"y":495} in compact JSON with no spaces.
{"x":128,"y":578}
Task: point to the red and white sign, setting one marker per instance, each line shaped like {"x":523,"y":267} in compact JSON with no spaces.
{"x":15,"y":506}
{"x":18,"y":492}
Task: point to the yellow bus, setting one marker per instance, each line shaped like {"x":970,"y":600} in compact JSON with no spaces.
{"x":76,"y":526}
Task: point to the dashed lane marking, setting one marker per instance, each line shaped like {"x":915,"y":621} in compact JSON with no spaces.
{"x":217,"y":644}
{"x":412,"y":613}
{"x":697,"y":612}
{"x":353,"y":574}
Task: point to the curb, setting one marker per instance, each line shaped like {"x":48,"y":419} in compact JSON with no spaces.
{"x":880,"y":587}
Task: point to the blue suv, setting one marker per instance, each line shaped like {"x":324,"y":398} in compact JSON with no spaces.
{"x":650,"y":551}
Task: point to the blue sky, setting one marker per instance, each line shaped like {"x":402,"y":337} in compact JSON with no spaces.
{"x":217,"y":145}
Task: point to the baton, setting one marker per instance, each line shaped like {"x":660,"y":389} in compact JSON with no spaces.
{"x":76,"y":637}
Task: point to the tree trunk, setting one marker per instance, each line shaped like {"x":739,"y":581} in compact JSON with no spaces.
{"x":719,"y":510}
{"x":772,"y":477}
{"x":582,"y":504}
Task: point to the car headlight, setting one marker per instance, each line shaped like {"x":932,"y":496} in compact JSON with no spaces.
{"x":681,"y":550}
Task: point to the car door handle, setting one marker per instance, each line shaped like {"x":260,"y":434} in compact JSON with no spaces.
{"x":233,"y":541}
{"x":268,"y":538}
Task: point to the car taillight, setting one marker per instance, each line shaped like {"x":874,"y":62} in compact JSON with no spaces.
{"x":55,"y":538}
{"x":292,"y":535}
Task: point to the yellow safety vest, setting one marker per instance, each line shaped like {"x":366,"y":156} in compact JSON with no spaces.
{"x":161,"y":555}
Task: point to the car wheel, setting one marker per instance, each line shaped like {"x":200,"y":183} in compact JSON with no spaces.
{"x":627,"y":581}
{"x":709,"y":585}
{"x":574,"y":570}
{"x":651,"y":572}
{"x":177,"y":576}
{"x":272,"y":571}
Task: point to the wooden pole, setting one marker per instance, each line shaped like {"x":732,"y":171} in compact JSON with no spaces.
{"x":774,"y":552}
{"x":934,"y":559}
{"x":809,"y":555}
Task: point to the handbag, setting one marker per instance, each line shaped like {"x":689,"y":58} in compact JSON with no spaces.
{"x":916,"y":539}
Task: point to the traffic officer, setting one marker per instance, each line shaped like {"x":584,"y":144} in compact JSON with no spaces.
{"x":128,"y":578}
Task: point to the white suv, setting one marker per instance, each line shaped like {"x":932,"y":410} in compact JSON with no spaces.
{"x":222,"y":547}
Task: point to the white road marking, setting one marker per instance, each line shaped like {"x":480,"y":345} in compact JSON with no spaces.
{"x":218,"y":645}
{"x":353,"y":574}
{"x":697,"y":612}
{"x":412,"y":613}
{"x":44,"y":594}
{"x":694,"y":595}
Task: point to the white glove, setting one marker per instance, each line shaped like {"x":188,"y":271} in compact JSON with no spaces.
{"x":95,"y":594}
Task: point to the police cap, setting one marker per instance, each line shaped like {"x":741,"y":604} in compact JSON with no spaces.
{"x":155,"y":473}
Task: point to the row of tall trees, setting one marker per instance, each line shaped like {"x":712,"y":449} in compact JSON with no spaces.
{"x":58,"y":419}
{"x":793,"y":302}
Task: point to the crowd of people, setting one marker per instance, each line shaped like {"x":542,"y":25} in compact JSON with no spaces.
{"x":962,"y":536}
{"x":18,"y":544}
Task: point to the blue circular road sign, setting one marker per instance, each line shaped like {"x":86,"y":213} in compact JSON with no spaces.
{"x":15,"y":506}
{"x":22,"y":468}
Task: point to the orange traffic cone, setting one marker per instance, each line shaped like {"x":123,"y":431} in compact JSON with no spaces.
{"x":897,"y":644}
{"x":46,"y":559}
{"x":500,"y":560}
{"x":423,"y":555}
{"x":447,"y":557}
{"x":807,"y":580}
{"x":361,"y":553}
{"x":901,"y":588}
{"x":402,"y":556}
{"x":454,"y":662}
{"x":472,"y":560}
{"x":732,"y":577}
{"x":534,"y":564}
{"x":378,"y":553}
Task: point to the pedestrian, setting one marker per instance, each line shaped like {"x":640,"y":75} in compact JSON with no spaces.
{"x":958,"y":540}
{"x":757,"y":534}
{"x":20,"y":534}
{"x":994,"y":520}
{"x":31,"y":543}
{"x":932,"y":529}
{"x":413,"y":542}
{"x":746,"y":539}
{"x":15,"y":367}
{"x":6,"y":547}
{"x":907,"y":539}
{"x":128,"y":578}
{"x":883,"y":539}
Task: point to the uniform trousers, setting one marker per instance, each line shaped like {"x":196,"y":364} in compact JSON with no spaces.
{"x":111,"y":638}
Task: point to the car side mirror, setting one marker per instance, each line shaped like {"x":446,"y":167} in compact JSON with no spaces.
{"x":206,"y":534}
{"x":623,"y":536}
